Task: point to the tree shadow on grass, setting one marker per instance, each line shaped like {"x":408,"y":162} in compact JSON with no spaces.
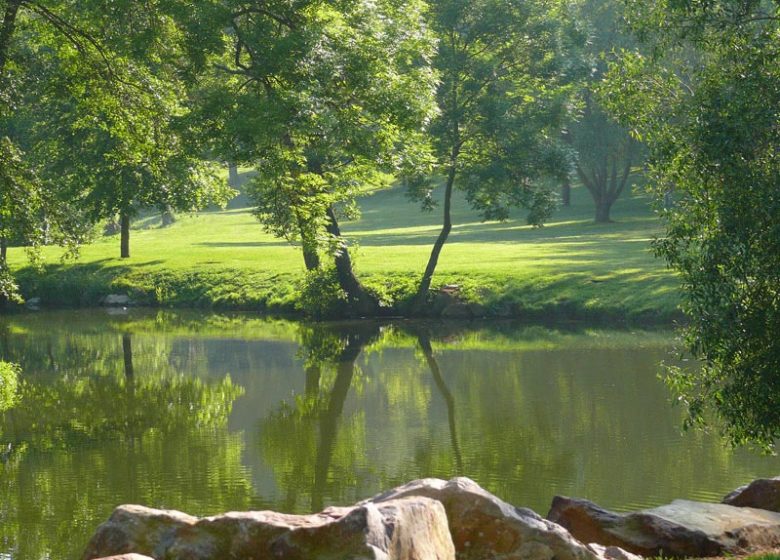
{"x":227,"y":244}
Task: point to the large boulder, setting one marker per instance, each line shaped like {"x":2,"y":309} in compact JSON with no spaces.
{"x":131,"y":556}
{"x":680,"y":529}
{"x":409,"y":529}
{"x":485,"y":527}
{"x":763,"y":493}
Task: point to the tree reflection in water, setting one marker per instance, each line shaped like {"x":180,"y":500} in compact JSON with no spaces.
{"x":89,"y":435}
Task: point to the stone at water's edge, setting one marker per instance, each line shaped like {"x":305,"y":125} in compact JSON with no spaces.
{"x":485,"y":527}
{"x":680,"y":529}
{"x":612,"y":552}
{"x":116,"y":299}
{"x":404,"y":529}
{"x":131,"y":556}
{"x":762,"y":493}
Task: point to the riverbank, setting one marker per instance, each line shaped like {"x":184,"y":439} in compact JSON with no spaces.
{"x":571,"y":268}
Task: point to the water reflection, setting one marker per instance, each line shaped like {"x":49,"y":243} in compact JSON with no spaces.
{"x":213,"y":413}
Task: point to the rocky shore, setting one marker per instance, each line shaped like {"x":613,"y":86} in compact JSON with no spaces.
{"x":433,"y":519}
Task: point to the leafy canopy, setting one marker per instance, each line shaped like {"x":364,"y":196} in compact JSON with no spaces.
{"x":708,"y":105}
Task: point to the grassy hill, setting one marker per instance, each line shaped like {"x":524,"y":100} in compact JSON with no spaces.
{"x":570,"y":267}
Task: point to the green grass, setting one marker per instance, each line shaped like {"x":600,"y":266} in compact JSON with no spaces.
{"x":223,"y":259}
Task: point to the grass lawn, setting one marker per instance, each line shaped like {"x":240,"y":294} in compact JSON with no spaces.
{"x":224,"y":259}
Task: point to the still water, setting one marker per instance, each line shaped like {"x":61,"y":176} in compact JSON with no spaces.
{"x":208,"y":413}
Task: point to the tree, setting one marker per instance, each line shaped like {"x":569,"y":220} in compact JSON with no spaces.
{"x":707,"y":103}
{"x":29,"y":213}
{"x":323,"y":99}
{"x":605,"y":155}
{"x":605,"y":149}
{"x":501,"y":101}
{"x":118,"y":143}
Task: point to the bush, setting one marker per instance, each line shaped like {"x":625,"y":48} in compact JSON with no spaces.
{"x":321,"y":295}
{"x":9,"y":385}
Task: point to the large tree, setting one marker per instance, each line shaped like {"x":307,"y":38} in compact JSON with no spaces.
{"x":708,"y":105}
{"x":501,"y":98}
{"x":605,"y":151}
{"x":93,"y":93}
{"x":323,"y":98}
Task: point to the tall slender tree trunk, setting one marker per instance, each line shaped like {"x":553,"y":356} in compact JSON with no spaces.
{"x":566,"y":192}
{"x":124,"y":243}
{"x":3,"y":252}
{"x":425,"y":284}
{"x":7,"y":30}
{"x":361,"y":301}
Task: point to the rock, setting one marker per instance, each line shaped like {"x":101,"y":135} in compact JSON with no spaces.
{"x":450,"y":289}
{"x":116,"y":299}
{"x":131,"y":556}
{"x":33,"y":303}
{"x":612,"y":552}
{"x":456,"y":311}
{"x":763,"y":493}
{"x":404,"y":529}
{"x":485,"y":527}
{"x":680,"y":529}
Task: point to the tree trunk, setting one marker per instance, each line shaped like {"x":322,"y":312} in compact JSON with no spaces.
{"x":168,"y":217}
{"x":233,"y":179}
{"x":433,"y":260}
{"x":566,"y":192}
{"x":3,"y":252}
{"x":310,"y":256}
{"x":127,"y":353}
{"x":360,"y":300}
{"x":7,"y":30}
{"x":603,"y":208}
{"x":125,"y":235}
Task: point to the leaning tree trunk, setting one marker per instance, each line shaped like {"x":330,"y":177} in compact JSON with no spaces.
{"x":425,"y":284}
{"x":125,"y":235}
{"x":311,"y":257}
{"x":360,"y":300}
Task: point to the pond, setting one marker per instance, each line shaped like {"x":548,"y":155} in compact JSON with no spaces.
{"x":208,"y":413}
